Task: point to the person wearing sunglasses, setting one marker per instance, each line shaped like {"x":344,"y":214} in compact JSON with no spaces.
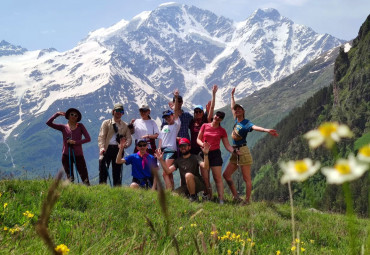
{"x":145,"y":128}
{"x":213,"y":133}
{"x":111,"y":132}
{"x":72,"y":143}
{"x":142,"y":165}
{"x":167,"y":139}
{"x":188,"y":165}
{"x":244,"y":159}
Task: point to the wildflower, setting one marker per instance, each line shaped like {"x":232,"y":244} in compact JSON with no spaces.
{"x":249,"y":240}
{"x":214,"y":233}
{"x":344,"y":170}
{"x":200,"y":233}
{"x":193,"y":225}
{"x":62,"y":248}
{"x":28,"y":214}
{"x":278,"y":252}
{"x":252,"y":244}
{"x":229,"y":252}
{"x":5,"y":205}
{"x":293,"y":248}
{"x":302,"y":249}
{"x":298,"y":170}
{"x":328,"y":132}
{"x":364,"y":153}
{"x":180,"y":228}
{"x":6,"y":228}
{"x":297,"y":240}
{"x":312,"y":241}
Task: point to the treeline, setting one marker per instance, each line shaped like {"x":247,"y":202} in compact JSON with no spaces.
{"x":346,"y":100}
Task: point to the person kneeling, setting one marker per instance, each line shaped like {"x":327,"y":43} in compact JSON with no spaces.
{"x":188,"y":164}
{"x":142,"y":165}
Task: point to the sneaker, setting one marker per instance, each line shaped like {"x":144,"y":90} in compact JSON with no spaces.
{"x":205,"y":197}
{"x":221,"y":202}
{"x":193,"y":198}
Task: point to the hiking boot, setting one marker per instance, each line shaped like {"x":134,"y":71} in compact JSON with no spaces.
{"x":193,"y":198}
{"x":237,"y":200}
{"x":205,"y":197}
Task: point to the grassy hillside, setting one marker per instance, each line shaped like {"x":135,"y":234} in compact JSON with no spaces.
{"x":104,"y":220}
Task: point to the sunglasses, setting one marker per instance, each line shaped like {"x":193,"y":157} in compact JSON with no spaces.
{"x":198,"y":111}
{"x":219,"y":116}
{"x":183,"y":145}
{"x":120,"y":111}
{"x":141,"y":145}
{"x":73,"y":115}
{"x":144,"y":110}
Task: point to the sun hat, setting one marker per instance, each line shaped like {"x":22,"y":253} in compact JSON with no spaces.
{"x":73,"y":110}
{"x":238,"y":105}
{"x":144,"y":107}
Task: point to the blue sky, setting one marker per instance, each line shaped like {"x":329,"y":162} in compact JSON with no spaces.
{"x":39,"y":24}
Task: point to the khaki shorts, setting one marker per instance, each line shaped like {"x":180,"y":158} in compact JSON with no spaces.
{"x":245,"y":158}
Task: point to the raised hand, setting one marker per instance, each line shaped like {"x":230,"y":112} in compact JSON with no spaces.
{"x":233,"y":91}
{"x":158,"y":154}
{"x":273,"y":132}
{"x":132,"y":121}
{"x":176,"y":92}
{"x":122,"y":143}
{"x":61,"y":113}
{"x":214,"y":89}
{"x":205,"y":147}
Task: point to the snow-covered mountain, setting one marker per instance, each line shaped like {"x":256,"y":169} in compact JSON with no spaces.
{"x":143,"y":60}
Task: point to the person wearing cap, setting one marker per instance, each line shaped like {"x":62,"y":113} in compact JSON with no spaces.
{"x":188,"y":165}
{"x":244,"y":159}
{"x":111,"y":132}
{"x":167,"y":139}
{"x":142,"y":165}
{"x":199,"y":119}
{"x":145,"y":128}
{"x":72,"y":143}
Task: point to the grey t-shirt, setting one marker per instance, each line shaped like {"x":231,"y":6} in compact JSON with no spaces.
{"x":188,"y":165}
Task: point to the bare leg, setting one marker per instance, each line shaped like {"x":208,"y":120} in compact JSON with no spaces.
{"x":216,"y":172}
{"x":230,"y":169}
{"x":205,"y":175}
{"x":168,"y":178}
{"x":190,"y":183}
{"x":246,"y":171}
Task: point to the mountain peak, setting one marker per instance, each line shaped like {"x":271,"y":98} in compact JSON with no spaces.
{"x":7,"y":49}
{"x":266,"y":13}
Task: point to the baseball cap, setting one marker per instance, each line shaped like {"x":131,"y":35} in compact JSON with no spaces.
{"x":167,"y":113}
{"x":184,"y":141}
{"x":144,"y":107}
{"x":198,"y":107}
{"x":238,"y":105}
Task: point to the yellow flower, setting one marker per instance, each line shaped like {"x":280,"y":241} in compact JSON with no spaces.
{"x":28,"y":214}
{"x":297,"y":240}
{"x":5,"y":205}
{"x":62,"y":248}
{"x":180,"y":228}
{"x":312,"y":241}
{"x":302,"y":249}
{"x":298,"y":170}
{"x":228,"y":233}
{"x":278,"y":252}
{"x":6,"y":228}
{"x":328,"y":132}
{"x":249,"y":240}
{"x":344,"y":170}
{"x":229,"y":252}
{"x":252,"y":244}
{"x":293,"y":248}
{"x":364,"y":153}
{"x":193,"y":225}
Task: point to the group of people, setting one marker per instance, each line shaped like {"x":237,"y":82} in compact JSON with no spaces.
{"x":195,"y":153}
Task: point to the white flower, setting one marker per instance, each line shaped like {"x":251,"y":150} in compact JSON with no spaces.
{"x":298,"y":170}
{"x":364,"y":153}
{"x":328,"y":132}
{"x":344,"y":170}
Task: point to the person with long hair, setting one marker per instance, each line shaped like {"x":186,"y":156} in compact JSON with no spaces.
{"x":145,"y":128}
{"x":244,"y":158}
{"x":213,"y":133}
{"x":72,"y":143}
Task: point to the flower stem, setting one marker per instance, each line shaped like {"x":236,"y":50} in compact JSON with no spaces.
{"x":292,"y":211}
{"x":350,"y":216}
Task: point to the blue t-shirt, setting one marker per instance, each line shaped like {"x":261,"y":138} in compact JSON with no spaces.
{"x":137,"y":167}
{"x":241,"y":130}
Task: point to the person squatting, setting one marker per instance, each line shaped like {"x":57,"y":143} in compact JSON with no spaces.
{"x":190,"y":143}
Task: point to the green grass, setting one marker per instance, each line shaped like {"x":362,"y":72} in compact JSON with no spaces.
{"x":104,"y":220}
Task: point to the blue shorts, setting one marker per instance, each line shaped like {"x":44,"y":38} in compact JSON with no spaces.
{"x":169,"y":153}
